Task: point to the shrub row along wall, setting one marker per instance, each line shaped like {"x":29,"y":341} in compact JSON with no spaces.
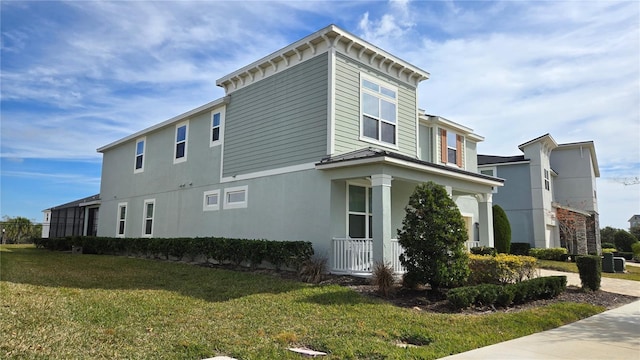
{"x":500,"y":269}
{"x":505,"y":295}
{"x":222,"y":250}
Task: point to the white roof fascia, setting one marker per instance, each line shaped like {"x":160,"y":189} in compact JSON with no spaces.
{"x":208,"y":106}
{"x":318,"y":43}
{"x":409,"y":165}
{"x":505,"y":163}
{"x":439,"y":120}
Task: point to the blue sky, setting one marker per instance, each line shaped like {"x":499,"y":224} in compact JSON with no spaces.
{"x":78,"y":75}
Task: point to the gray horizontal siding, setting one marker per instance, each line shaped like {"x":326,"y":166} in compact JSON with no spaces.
{"x":279,"y":121}
{"x":347,"y":108}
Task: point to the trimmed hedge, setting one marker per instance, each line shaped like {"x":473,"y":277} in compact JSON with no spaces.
{"x":235,"y":251}
{"x":491,"y":294}
{"x":520,"y":248}
{"x":500,"y":269}
{"x":607,"y":245}
{"x":590,"y":269}
{"x":548,"y":254}
{"x":483,"y":250}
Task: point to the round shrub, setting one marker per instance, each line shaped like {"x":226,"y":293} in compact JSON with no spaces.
{"x":589,"y":267}
{"x":608,"y":245}
{"x":483,"y":250}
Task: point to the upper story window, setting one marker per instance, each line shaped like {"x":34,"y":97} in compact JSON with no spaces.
{"x":180,"y":150}
{"x":139,"y":166}
{"x":450,"y":148}
{"x":379,"y":111}
{"x":216,"y":128}
{"x":547,"y":184}
{"x":147,"y":222}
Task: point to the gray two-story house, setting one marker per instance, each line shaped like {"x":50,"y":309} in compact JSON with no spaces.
{"x":550,"y":194}
{"x":321,"y":141}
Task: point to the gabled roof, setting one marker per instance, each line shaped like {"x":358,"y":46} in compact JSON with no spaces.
{"x":545,"y":139}
{"x":443,"y":122}
{"x":493,"y":159}
{"x":372,"y":153}
{"x":89,"y":200}
{"x":317,"y":43}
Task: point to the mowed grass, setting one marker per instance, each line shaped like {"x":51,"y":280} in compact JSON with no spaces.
{"x":632,"y":272}
{"x":62,"y":306}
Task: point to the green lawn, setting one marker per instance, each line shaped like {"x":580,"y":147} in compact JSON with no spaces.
{"x":59,"y":305}
{"x":633,"y":272}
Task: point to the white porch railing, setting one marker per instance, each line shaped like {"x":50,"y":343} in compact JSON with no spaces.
{"x":355,"y":256}
{"x":472,"y":244}
{"x":352,"y":256}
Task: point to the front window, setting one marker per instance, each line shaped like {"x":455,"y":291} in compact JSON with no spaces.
{"x":180,"y":153}
{"x":139,"y":167}
{"x":147,"y":225}
{"x":452,"y":148}
{"x":359,"y":212}
{"x":379,"y":112}
{"x":122,"y":219}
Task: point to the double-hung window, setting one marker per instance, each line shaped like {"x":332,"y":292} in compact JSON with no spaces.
{"x":122,"y":219}
{"x":147,"y":217}
{"x":359,"y":213}
{"x":217,"y":118}
{"x":139,"y":166}
{"x":180,"y":150}
{"x":379,"y":111}
{"x":547,"y":180}
{"x":451,"y":147}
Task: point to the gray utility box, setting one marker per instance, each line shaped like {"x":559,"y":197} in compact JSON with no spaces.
{"x":619,"y":264}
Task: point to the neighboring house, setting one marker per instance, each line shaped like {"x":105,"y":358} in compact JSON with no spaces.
{"x":320,"y":141}
{"x":634,"y":221}
{"x":550,"y":193}
{"x":76,"y":218}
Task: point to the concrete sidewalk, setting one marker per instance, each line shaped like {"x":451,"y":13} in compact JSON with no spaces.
{"x":613,"y":334}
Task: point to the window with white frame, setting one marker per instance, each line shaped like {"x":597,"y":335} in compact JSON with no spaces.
{"x":211,"y":200}
{"x":452,"y":147}
{"x":216,"y":128}
{"x":236,"y":197}
{"x":379,"y":111}
{"x":147,"y":217}
{"x":122,"y":219}
{"x":139,"y":166}
{"x":180,"y":149}
{"x":359,"y":212}
{"x":547,"y":184}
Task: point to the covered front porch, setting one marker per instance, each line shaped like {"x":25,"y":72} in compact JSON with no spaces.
{"x":369,"y":193}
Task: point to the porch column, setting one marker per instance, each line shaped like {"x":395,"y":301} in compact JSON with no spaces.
{"x":381,"y":210}
{"x":485,"y":213}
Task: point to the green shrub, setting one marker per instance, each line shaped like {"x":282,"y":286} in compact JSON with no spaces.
{"x":555,"y":254}
{"x":487,"y":294}
{"x":462,"y":297}
{"x":505,"y":295}
{"x":520,"y":248}
{"x":636,"y":251}
{"x":590,"y":268}
{"x":607,"y":245}
{"x":433,"y":235}
{"x":483,"y":250}
{"x":501,"y":230}
{"x":608,"y":251}
{"x":624,"y":240}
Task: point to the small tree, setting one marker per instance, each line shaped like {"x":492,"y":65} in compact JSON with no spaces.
{"x":635,"y":231}
{"x":607,"y":233}
{"x":18,"y":230}
{"x":501,"y":230}
{"x":624,"y":240}
{"x":433,"y":236}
